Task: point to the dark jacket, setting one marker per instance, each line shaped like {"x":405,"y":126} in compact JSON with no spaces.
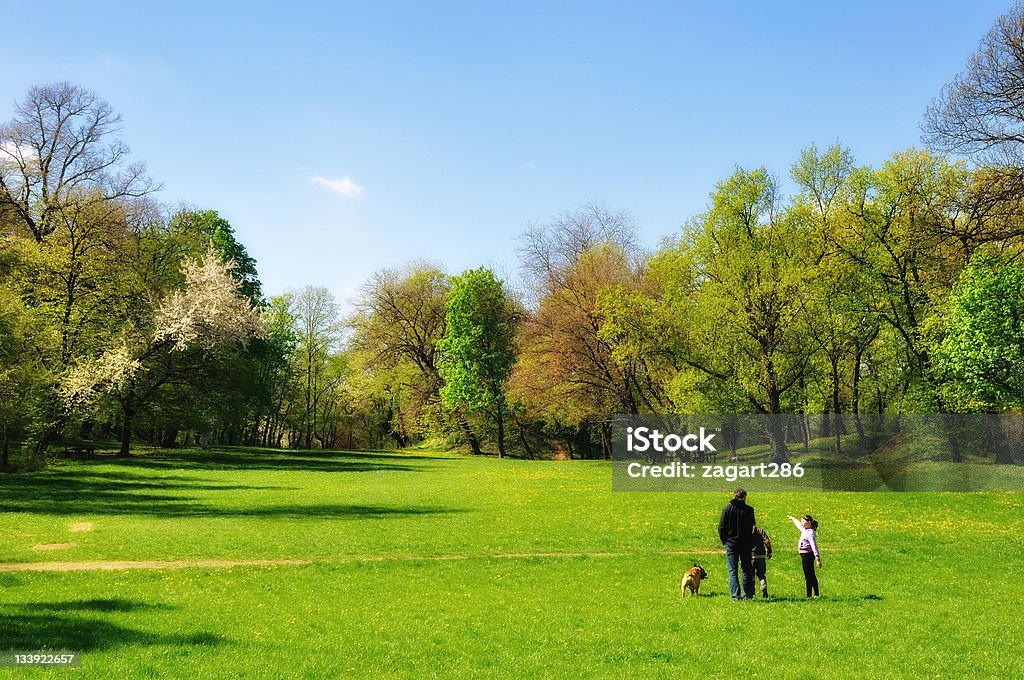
{"x":762,"y":544}
{"x":736,"y":527}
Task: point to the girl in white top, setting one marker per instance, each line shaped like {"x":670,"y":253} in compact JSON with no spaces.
{"x":808,"y":549}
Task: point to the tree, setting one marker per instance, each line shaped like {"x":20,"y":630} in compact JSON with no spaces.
{"x":751,"y":270}
{"x":22,"y":378}
{"x":980,"y":113}
{"x":980,"y":361}
{"x":477,"y":351}
{"x":400,"y":315}
{"x":276,"y":369}
{"x":61,"y":149}
{"x":567,"y":373}
{"x":399,"y":320}
{"x":550,"y":252}
{"x":839,"y":317}
{"x":207,"y":227}
{"x":981,"y":356}
{"x":188,"y":327}
{"x":318,"y":332}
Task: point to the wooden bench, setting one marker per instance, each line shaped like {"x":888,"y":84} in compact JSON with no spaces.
{"x":703,"y":457}
{"x":79,"y":451}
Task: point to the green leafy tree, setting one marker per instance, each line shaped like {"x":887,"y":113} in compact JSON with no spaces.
{"x":839,"y":317}
{"x":206,"y":227}
{"x":981,"y":356}
{"x":187,"y":329}
{"x":276,"y":370}
{"x":751,"y":269}
{"x":399,"y":319}
{"x":980,"y":360}
{"x":318,"y":332}
{"x":22,"y":378}
{"x":477,"y":353}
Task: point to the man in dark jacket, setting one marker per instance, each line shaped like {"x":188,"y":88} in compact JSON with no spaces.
{"x":736,"y":530}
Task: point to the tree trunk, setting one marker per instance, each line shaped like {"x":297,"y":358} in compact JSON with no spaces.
{"x":467,"y":431}
{"x":523,"y":440}
{"x":836,"y":406}
{"x":777,"y":439}
{"x":805,"y":423}
{"x":584,"y":435}
{"x":126,"y":433}
{"x":998,"y":437}
{"x":776,"y":435}
{"x":606,"y":440}
{"x":170,"y":439}
{"x":400,"y":440}
{"x":856,"y":396}
{"x":879,"y":411}
{"x":501,"y":433}
{"x":6,"y":454}
{"x":954,"y":449}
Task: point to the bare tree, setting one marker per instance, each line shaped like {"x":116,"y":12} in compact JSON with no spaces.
{"x":400,"y":315}
{"x":550,"y":252}
{"x":567,"y":369}
{"x":980,"y":113}
{"x":62,"y":147}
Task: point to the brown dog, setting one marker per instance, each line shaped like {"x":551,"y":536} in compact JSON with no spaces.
{"x":692,"y":580}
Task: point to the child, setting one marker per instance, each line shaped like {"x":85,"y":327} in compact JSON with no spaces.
{"x":808,"y":549}
{"x":762,"y":553}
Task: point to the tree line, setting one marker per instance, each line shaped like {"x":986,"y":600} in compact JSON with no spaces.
{"x":869,"y":290}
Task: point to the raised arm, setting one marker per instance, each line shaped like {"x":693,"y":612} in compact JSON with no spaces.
{"x":796,"y":522}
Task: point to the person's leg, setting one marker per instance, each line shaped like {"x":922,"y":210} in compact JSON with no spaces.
{"x":731,"y":559}
{"x":760,"y":571}
{"x":748,"y":574}
{"x":809,"y":577}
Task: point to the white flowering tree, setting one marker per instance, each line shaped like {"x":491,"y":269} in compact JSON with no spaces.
{"x":189,"y":327}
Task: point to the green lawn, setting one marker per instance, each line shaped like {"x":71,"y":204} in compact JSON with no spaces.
{"x":430,"y":564}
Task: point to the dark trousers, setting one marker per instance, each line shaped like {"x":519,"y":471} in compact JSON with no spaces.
{"x":760,"y":573}
{"x":735,"y":560}
{"x":809,"y":575}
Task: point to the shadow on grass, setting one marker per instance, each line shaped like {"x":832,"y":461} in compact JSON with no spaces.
{"x":48,"y":631}
{"x":825,"y":598}
{"x":89,"y":480}
{"x":274,"y":459}
{"x":76,"y":503}
{"x":95,"y":605}
{"x":106,"y":493}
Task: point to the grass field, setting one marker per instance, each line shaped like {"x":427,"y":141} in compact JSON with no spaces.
{"x":436,"y":565}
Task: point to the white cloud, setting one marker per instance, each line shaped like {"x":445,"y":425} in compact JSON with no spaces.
{"x":344,"y":186}
{"x":13,"y":155}
{"x":528,"y":165}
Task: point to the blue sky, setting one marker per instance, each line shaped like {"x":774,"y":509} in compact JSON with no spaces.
{"x":343,"y":138}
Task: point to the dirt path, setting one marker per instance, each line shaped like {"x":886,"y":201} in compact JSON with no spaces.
{"x":139,"y":564}
{"x":218,"y":564}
